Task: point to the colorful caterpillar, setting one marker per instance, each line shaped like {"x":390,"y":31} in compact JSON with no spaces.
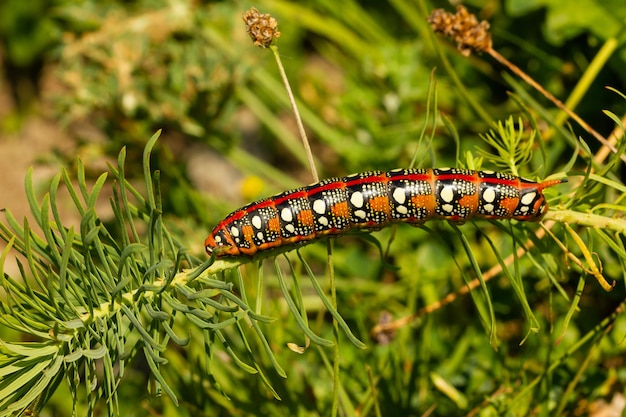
{"x":372,"y":200}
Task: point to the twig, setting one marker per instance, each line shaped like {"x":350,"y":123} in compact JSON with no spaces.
{"x":294,"y":107}
{"x":472,"y":35}
{"x":263,"y":30}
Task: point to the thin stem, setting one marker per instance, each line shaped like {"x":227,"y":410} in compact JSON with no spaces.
{"x":593,"y":268}
{"x":294,"y":106}
{"x":333,"y":297}
{"x":603,"y":152}
{"x":466,"y":289}
{"x":561,"y":216}
{"x":593,"y":333}
{"x":467,"y":96}
{"x":588,"y":219}
{"x":515,"y":69}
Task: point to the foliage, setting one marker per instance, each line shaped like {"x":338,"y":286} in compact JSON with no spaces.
{"x":103,"y":310}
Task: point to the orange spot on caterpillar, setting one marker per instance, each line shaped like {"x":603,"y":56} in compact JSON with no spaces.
{"x":340,"y":210}
{"x":509,"y":204}
{"x":380,"y":203}
{"x":273,"y":224}
{"x":470,"y":202}
{"x":305,"y":217}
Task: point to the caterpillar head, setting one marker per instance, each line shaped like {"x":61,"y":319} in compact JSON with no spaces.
{"x":221,"y":242}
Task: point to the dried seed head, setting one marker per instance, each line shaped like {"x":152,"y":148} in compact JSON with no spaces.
{"x":261,"y":27}
{"x":463,"y":27}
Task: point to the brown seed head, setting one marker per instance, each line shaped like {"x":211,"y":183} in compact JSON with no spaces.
{"x":463,"y":27}
{"x":261,"y":27}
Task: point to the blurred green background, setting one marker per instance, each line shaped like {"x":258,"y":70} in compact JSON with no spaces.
{"x":86,"y":78}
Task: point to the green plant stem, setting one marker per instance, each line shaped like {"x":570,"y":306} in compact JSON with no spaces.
{"x":333,"y":297}
{"x":591,"y":72}
{"x":581,"y":342}
{"x":259,"y":289}
{"x":587,"y":219}
{"x":593,"y":268}
{"x":147,"y":293}
{"x":569,"y":391}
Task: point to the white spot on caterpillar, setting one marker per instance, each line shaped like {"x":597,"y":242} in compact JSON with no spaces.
{"x":399,"y":196}
{"x":286,"y":214}
{"x":447,"y":207}
{"x":402,"y":209}
{"x":356,"y":199}
{"x":360,"y":214}
{"x":489,"y":195}
{"x":528,"y":198}
{"x":234,"y":231}
{"x":319,"y":206}
{"x":257,"y":222}
{"x":447,"y":195}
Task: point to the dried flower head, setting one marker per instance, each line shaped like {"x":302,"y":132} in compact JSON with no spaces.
{"x":463,"y":27}
{"x":261,"y":27}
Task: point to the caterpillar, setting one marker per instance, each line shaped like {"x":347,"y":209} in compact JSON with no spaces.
{"x":372,"y":200}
